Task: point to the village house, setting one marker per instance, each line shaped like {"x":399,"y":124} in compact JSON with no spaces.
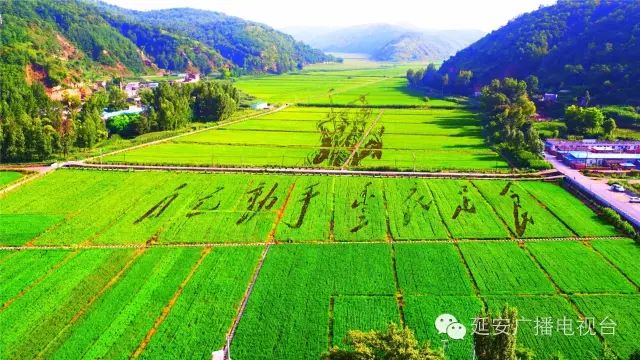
{"x":260,"y":105}
{"x":191,"y":78}
{"x":131,"y":89}
{"x":556,"y":146}
{"x":585,"y":159}
{"x":131,"y":110}
{"x":594,"y":153}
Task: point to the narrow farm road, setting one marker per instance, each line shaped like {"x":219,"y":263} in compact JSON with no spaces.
{"x":600,"y":190}
{"x":310,"y":171}
{"x":364,"y":137}
{"x":261,"y":244}
{"x":38,"y":172}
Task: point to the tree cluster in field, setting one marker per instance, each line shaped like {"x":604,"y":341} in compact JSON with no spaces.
{"x":431,"y":77}
{"x":572,"y":45}
{"x":498,"y":345}
{"x":172,"y":107}
{"x":625,"y":116}
{"x":35,"y":128}
{"x":508,"y":125}
{"x":393,"y":343}
{"x":589,"y":122}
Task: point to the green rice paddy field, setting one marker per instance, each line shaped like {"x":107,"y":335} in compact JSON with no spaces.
{"x":427,"y":135}
{"x":382,"y":86}
{"x":111,"y":207}
{"x":431,"y":140}
{"x":131,"y":264}
{"x":181,"y":302}
{"x":7,"y":177}
{"x":346,"y":253}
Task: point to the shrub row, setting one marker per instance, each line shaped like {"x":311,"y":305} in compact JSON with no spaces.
{"x":616,"y":220}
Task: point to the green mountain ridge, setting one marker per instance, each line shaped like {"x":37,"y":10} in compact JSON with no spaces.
{"x":252,"y":46}
{"x":62,"y":42}
{"x":573,"y":45}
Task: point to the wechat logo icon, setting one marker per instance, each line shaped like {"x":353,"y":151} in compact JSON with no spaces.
{"x":447,"y":324}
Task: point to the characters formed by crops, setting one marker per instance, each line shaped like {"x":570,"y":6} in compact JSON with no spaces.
{"x":466,"y":205}
{"x":305,"y":199}
{"x":198,"y":208}
{"x":412,"y":202}
{"x":158,"y":209}
{"x":257,"y":202}
{"x":520,"y":220}
{"x":360,"y":204}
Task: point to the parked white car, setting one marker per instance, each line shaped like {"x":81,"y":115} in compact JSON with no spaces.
{"x":634,"y":199}
{"x":617,"y":188}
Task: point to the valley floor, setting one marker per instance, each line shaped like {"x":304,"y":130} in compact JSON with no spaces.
{"x":116,"y":263}
{"x":148,"y":264}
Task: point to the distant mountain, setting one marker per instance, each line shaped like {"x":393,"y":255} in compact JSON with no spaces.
{"x":589,"y":45}
{"x":421,"y":46}
{"x":60,"y":42}
{"x":386,"y":42}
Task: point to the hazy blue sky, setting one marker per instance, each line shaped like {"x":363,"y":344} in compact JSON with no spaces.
{"x":432,"y":14}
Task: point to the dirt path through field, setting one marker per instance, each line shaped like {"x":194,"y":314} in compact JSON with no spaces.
{"x":169,"y":306}
{"x":362,"y":139}
{"x":35,"y":173}
{"x":245,"y":299}
{"x":254,"y":244}
{"x":548,"y":175}
{"x":92,"y":300}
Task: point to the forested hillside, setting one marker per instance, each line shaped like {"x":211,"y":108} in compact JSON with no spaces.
{"x":589,"y":45}
{"x":65,"y":42}
{"x":251,"y":46}
{"x":53,"y":51}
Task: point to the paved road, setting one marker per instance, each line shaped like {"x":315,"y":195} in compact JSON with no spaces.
{"x":601,"y":190}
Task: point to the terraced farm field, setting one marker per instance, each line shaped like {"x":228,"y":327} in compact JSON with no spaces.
{"x":381,"y":92}
{"x":112,"y":207}
{"x":166,"y":264}
{"x":300,"y":88}
{"x":428,"y":140}
{"x":7,"y":177}
{"x":115,"y":303}
{"x":341,"y":253}
{"x":105,"y":303}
